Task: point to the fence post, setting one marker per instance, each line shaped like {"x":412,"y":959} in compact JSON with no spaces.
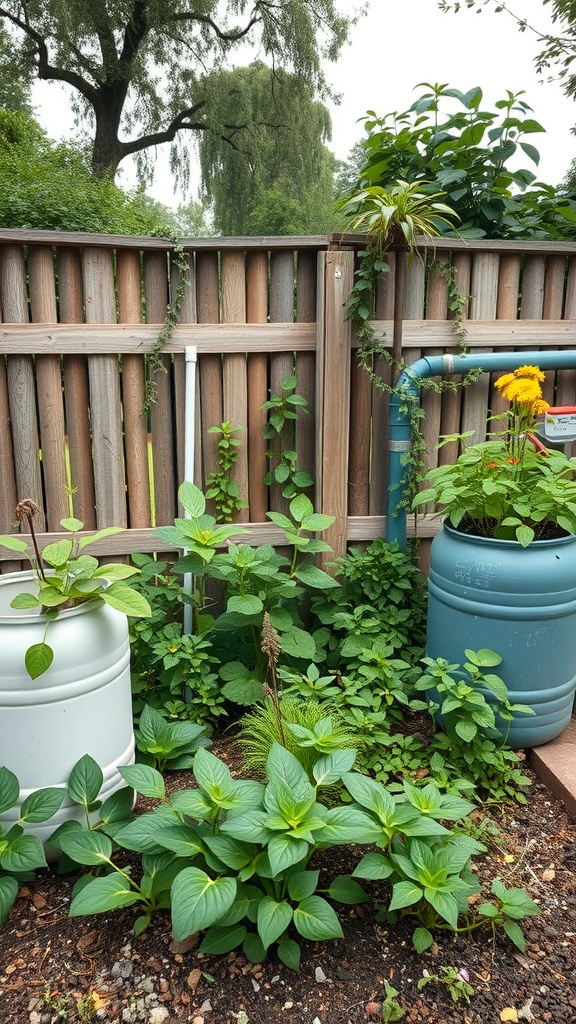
{"x":336,"y":276}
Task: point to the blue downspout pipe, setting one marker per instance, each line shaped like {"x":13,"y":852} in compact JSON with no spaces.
{"x":408,"y":389}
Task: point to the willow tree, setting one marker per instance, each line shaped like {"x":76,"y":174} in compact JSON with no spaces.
{"x":264,"y":162}
{"x":137,"y":69}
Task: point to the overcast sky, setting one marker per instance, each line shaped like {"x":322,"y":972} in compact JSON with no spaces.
{"x":397,"y":45}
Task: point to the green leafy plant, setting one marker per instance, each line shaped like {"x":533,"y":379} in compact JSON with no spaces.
{"x":391,"y":1009}
{"x":455,"y":979}
{"x":231,"y":856}
{"x":449,"y":139}
{"x":258,"y":581}
{"x":510,"y":488}
{"x":427,"y":866}
{"x":21,"y":854}
{"x":167,"y":745}
{"x":72,"y":578}
{"x":283,"y":411}
{"x":305,"y":728}
{"x":220,"y":487}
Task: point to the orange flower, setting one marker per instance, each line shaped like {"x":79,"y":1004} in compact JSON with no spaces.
{"x":492,"y":465}
{"x":513,"y":460}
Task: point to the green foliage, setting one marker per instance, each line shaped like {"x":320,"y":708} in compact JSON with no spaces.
{"x":21,"y":854}
{"x":220,"y":487}
{"x":283,"y":411}
{"x":47,"y":185}
{"x":71,"y":579}
{"x":508,"y":488}
{"x":257,"y":582}
{"x":230,"y":857}
{"x":264,"y":163}
{"x":466,"y":154}
{"x":470,"y":746}
{"x":167,"y":745}
{"x":393,"y":216}
{"x":455,"y":979}
{"x":382,"y":595}
{"x":105,"y":52}
{"x":174,"y":673}
{"x":391,"y":1009}
{"x":305,"y":728}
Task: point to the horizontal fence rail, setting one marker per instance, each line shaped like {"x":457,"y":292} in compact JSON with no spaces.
{"x":81,"y":317}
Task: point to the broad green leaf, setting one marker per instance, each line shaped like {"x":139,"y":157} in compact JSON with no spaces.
{"x":181,"y":839}
{"x":253,"y":949}
{"x":289,"y":953}
{"x":42,"y":804}
{"x":245,"y":691}
{"x":57,"y":554}
{"x":199,"y":901}
{"x":404,"y":894}
{"x":247,"y":604}
{"x":192,"y":499}
{"x":140,"y":835}
{"x":273,"y":920}
{"x":38,"y":659}
{"x":85,"y":782}
{"x":484,"y":658}
{"x":422,"y":939}
{"x":14,"y":543}
{"x":87,"y":847}
{"x":301,"y":506}
{"x":444,"y":904}
{"x":231,"y":852}
{"x":314,"y":577}
{"x":9,"y":789}
{"x":144,"y":780}
{"x":330,"y":768}
{"x":115,"y":571}
{"x":249,"y":827}
{"x":346,"y":890}
{"x":373,"y":866}
{"x":212,"y":775}
{"x":515,"y":934}
{"x":284,"y":851}
{"x":315,"y":919}
{"x":124,"y":599}
{"x":22,"y":853}
{"x":102,"y":894}
{"x":8,"y":893}
{"x":107,"y":531}
{"x":349,"y":825}
{"x":220,"y":940}
{"x":193,"y":803}
{"x":302,"y":884}
{"x":280,"y":520}
{"x":22,"y":601}
{"x":283,"y":767}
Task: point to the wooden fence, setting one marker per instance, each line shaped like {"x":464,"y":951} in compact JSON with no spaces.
{"x":81,"y":314}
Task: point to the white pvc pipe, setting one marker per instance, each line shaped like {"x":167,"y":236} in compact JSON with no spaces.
{"x":191,"y":356}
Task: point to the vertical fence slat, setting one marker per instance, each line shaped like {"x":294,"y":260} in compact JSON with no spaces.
{"x":133,"y":393}
{"x":380,"y":398}
{"x":49,"y":389}
{"x":552,"y":306}
{"x":333,"y":382}
{"x":7,"y":479}
{"x":161,"y":410}
{"x":452,"y":400}
{"x":105,"y":402}
{"x":436,"y":309}
{"x":210,"y":366}
{"x":484,"y":288}
{"x":257,"y":313}
{"x":305,"y":364}
{"x":235,"y":381}
{"x":21,"y":387}
{"x":188,"y":315}
{"x":506,"y":309}
{"x":76,"y":391}
{"x":566,"y":391}
{"x":281,"y":363}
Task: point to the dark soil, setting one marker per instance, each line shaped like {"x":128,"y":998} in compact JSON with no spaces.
{"x":50,"y":962}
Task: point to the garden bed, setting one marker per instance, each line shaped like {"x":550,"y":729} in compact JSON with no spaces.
{"x":94,"y":968}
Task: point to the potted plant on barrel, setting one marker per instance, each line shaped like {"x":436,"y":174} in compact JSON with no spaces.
{"x":503,"y":569}
{"x":65,"y":680}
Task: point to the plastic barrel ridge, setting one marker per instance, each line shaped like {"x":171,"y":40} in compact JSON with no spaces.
{"x":521,"y":603}
{"x":81,"y":705}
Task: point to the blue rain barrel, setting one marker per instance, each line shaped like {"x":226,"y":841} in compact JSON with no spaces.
{"x":521,"y":603}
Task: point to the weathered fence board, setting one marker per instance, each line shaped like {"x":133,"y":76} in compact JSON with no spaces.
{"x":81,"y":321}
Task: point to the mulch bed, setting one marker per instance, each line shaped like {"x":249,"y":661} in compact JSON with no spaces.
{"x":49,"y":962}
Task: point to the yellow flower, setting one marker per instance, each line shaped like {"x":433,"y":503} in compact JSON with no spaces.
{"x":532,"y":372}
{"x":522,"y":390}
{"x":503,"y":382}
{"x":539,"y":406}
